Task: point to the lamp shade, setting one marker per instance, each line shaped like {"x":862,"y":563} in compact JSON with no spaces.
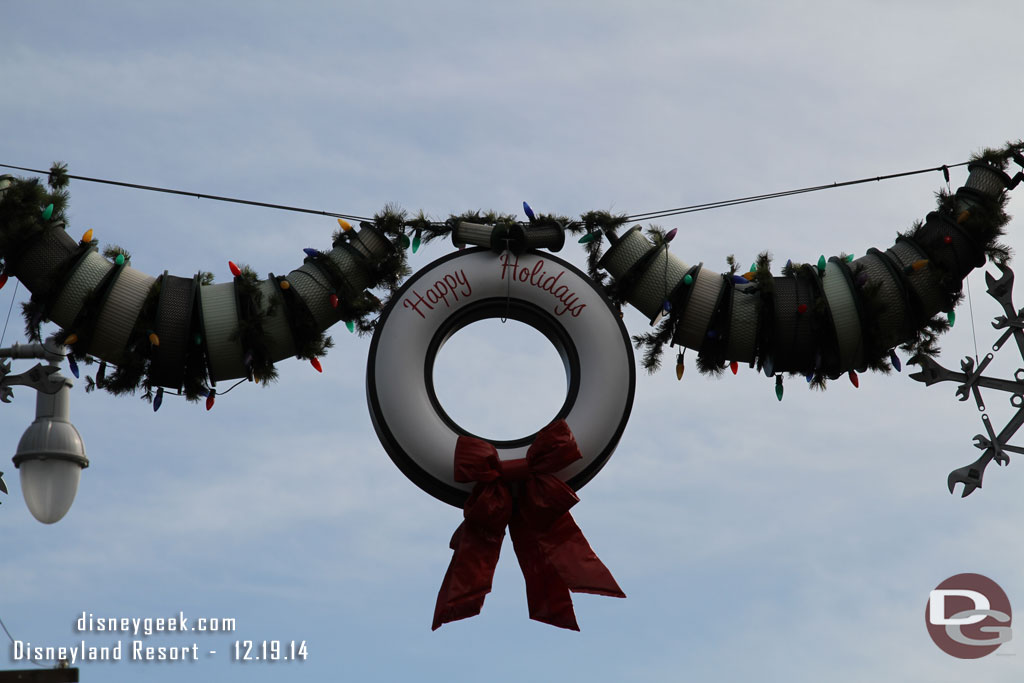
{"x":49,"y":487}
{"x":50,"y":457}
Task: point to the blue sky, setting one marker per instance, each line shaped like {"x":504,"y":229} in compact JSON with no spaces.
{"x":793,"y":540}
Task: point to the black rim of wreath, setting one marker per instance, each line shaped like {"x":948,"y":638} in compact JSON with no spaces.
{"x":425,"y":481}
{"x":512,"y":309}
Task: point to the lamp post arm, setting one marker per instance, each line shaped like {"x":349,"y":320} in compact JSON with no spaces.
{"x":45,"y":379}
{"x":49,"y":350}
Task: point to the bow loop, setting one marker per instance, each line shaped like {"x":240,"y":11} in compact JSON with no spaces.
{"x":554,"y":449}
{"x":476,"y":460}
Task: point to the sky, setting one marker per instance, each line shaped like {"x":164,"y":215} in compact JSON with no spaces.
{"x":792,"y":540}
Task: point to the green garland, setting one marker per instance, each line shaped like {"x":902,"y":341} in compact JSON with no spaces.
{"x":259,"y":366}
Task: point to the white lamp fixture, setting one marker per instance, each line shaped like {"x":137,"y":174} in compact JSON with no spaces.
{"x":50,"y":454}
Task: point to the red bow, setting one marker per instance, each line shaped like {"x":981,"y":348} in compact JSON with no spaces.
{"x":526,"y":496}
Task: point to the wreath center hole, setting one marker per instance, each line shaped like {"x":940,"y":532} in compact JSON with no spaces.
{"x":500,"y":381}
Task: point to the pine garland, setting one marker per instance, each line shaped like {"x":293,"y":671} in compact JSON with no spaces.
{"x":250,"y":334}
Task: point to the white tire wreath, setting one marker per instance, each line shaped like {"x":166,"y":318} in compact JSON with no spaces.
{"x":534,"y":288}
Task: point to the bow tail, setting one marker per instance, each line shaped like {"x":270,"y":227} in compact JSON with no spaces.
{"x":575,"y":561}
{"x":470,"y":573}
{"x":547,"y":595}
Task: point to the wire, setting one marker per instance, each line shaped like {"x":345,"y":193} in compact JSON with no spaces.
{"x":14,"y":296}
{"x":6,"y":631}
{"x":197,"y":195}
{"x":970,"y":302}
{"x":664,"y":213}
{"x":647,"y":215}
{"x":232,"y":386}
{"x":2,"y":624}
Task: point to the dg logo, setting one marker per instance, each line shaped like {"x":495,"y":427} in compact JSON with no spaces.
{"x":968,"y":616}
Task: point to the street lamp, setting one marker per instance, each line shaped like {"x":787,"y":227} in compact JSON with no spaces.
{"x":50,"y":454}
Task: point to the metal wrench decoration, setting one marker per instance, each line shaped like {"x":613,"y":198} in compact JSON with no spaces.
{"x":994,"y":446}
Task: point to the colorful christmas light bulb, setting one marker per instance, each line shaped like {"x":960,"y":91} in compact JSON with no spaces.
{"x":529,"y":212}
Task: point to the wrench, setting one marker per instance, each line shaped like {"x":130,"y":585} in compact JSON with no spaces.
{"x":971,"y":475}
{"x":1002,"y":291}
{"x":932,"y":373}
{"x":971,"y":385}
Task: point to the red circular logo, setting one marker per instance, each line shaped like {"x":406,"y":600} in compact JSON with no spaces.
{"x":968,"y":616}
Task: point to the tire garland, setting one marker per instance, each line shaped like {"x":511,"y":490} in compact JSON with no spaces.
{"x":819,"y":320}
